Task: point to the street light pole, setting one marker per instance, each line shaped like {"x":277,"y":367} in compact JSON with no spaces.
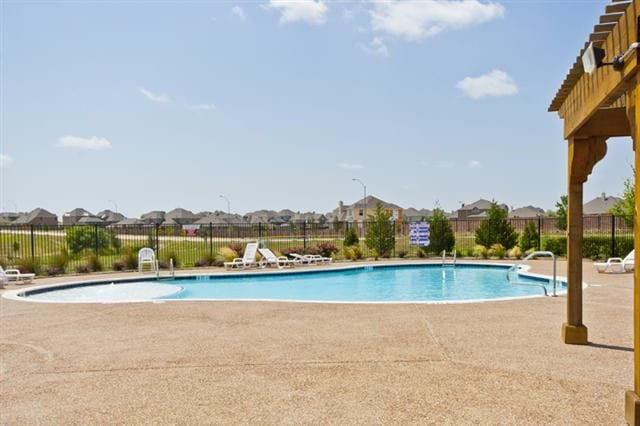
{"x":228,"y":204}
{"x":364,"y":203}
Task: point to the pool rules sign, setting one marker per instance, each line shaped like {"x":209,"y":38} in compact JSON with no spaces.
{"x":419,"y":233}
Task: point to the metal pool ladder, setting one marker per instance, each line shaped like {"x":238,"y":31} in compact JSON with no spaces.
{"x":444,"y":257}
{"x":531,"y":256}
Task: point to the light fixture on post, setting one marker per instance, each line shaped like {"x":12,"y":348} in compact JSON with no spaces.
{"x":593,"y":58}
{"x":228,"y":204}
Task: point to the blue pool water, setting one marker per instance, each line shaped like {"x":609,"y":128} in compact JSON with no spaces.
{"x":406,"y":283}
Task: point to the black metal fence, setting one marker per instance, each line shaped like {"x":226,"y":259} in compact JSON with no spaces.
{"x":63,"y":248}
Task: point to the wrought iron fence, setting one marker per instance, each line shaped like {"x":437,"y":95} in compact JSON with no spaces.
{"x":70,"y":248}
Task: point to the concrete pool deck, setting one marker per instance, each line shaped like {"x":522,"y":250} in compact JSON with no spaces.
{"x":270,"y":362}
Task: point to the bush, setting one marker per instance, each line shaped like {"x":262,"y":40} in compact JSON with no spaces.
{"x":52,"y":271}
{"x":81,"y":238}
{"x":227,"y":254}
{"x":170,"y":254}
{"x":353,"y":253}
{"x":380,"y":234}
{"x":351,"y":237}
{"x":118,"y":265}
{"x":497,"y":250}
{"x":326,"y":249}
{"x":238,"y":248}
{"x":94,"y":264}
{"x":515,"y":253}
{"x":496,"y":229}
{"x":480,"y":251}
{"x":205,"y":261}
{"x":59,"y":262}
{"x":402,"y":254}
{"x":420,"y":253}
{"x":441,"y":235}
{"x":130,"y":258}
{"x":297,"y":250}
{"x":29,"y":265}
{"x":556,"y":245}
{"x":529,"y":237}
{"x":83,"y":269}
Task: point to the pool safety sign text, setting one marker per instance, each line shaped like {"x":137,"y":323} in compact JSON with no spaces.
{"x":419,"y":233}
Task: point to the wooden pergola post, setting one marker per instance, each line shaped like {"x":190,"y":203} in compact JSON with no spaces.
{"x":584,"y":153}
{"x":594,"y":106}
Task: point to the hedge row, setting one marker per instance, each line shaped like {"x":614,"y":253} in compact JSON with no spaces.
{"x":592,"y":247}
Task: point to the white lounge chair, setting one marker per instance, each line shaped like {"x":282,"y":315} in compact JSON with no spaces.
{"x":248,"y":260}
{"x":147,"y":256}
{"x":319,"y":259}
{"x":617,"y":265}
{"x":16,"y":275}
{"x":272,"y":260}
{"x":310,"y":259}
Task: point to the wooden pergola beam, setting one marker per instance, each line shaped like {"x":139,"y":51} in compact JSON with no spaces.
{"x":607,"y":122}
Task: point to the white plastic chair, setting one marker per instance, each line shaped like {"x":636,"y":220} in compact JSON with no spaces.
{"x":272,"y":259}
{"x":147,"y":256}
{"x":617,"y":265}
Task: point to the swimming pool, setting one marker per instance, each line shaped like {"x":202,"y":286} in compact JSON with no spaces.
{"x":405,"y":283}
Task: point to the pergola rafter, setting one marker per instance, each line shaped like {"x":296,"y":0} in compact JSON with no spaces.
{"x":595,"y":107}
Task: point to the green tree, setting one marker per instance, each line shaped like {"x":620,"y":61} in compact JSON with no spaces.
{"x":529,"y":237}
{"x":380,"y":234}
{"x":496,"y":229}
{"x":626,"y":206}
{"x":351,"y":237}
{"x":441,"y":235}
{"x":81,"y":238}
{"x":561,"y":213}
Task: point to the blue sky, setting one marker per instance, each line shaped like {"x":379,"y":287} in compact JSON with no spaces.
{"x":277,"y":105}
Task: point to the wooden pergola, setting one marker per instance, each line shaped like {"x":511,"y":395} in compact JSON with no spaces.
{"x":595,"y":107}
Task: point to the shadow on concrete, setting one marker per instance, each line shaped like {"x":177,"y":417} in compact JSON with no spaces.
{"x":613,"y":347}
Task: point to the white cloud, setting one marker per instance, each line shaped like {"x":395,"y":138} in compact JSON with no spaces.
{"x":154,"y":97}
{"x":93,"y":143}
{"x":375,"y":47}
{"x":201,"y":107}
{"x":350,"y":166}
{"x":5,"y":161}
{"x":473,"y":164}
{"x":494,"y":83}
{"x":418,"y":19}
{"x":309,"y":11}
{"x":239,"y":12}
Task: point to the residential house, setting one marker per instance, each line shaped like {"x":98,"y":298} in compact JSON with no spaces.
{"x":37,"y":216}
{"x":155,"y":217}
{"x":72,"y":217}
{"x":527,"y":212}
{"x":9,"y":217}
{"x":129,"y":222}
{"x":110,"y":217}
{"x":600,"y":205}
{"x":414,"y":215}
{"x":180,"y":216}
{"x":477,"y":209}
{"x":361,"y":210}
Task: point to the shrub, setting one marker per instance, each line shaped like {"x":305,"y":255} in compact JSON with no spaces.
{"x":59,"y":261}
{"x":497,"y":250}
{"x":402,"y":254}
{"x":130,"y":258}
{"x":207,"y":260}
{"x":238,"y":248}
{"x":94,"y":264}
{"x":83,"y":269}
{"x":496,"y":229}
{"x":353,"y":253}
{"x":351,"y":237}
{"x":380,"y":234}
{"x":529,"y":237}
{"x":81,"y":238}
{"x":170,"y":254}
{"x":52,"y":271}
{"x":480,"y":251}
{"x":288,"y":250}
{"x":29,"y":265}
{"x":228,"y":254}
{"x":420,"y":253}
{"x":326,"y":249}
{"x":515,"y":253}
{"x":441,"y":235}
{"x":118,"y":265}
{"x":556,"y":245}
{"x":561,"y":213}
